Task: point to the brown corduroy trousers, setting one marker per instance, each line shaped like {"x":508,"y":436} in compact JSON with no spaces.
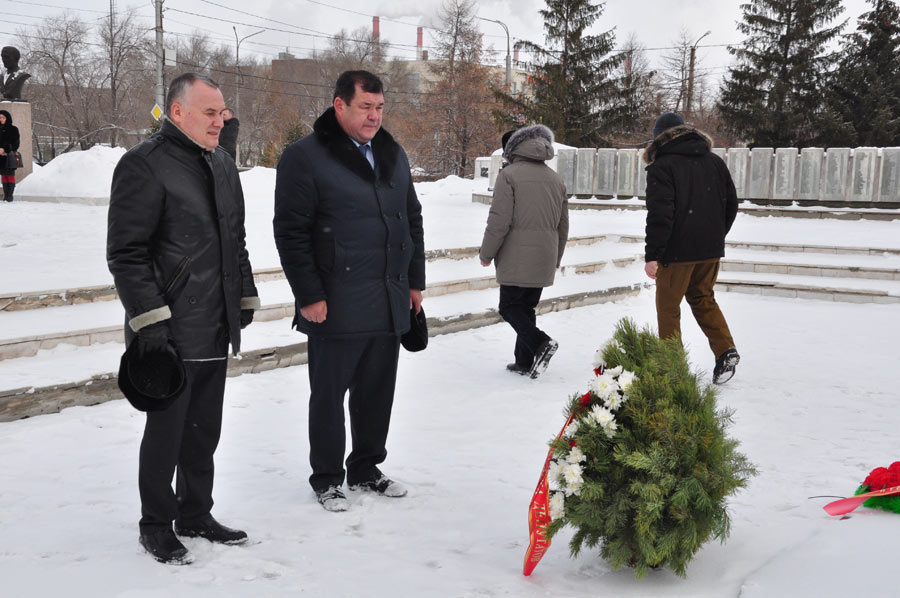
{"x":693,"y":281}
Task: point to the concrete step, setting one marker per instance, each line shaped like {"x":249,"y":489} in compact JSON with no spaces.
{"x":792,"y":211}
{"x":29,"y":401}
{"x":53,"y":298}
{"x":30,"y":345}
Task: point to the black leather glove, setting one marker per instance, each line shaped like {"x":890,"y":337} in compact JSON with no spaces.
{"x":246,"y":317}
{"x":154,"y":337}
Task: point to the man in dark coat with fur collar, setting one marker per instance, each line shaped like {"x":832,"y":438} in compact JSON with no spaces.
{"x":691,"y":205}
{"x":348,"y":227}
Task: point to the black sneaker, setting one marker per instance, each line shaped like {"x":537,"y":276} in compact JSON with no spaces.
{"x":166,"y":548}
{"x":542,"y":357}
{"x":210,"y":529}
{"x":725,"y":366}
{"x":382,"y":485}
{"x":518,"y":369}
{"x":332,"y":499}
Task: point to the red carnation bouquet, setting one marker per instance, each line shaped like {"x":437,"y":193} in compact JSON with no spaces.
{"x":879,"y":479}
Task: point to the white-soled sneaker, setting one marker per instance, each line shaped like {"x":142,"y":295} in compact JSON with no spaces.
{"x":333,"y":499}
{"x":383,"y":486}
{"x":542,"y":357}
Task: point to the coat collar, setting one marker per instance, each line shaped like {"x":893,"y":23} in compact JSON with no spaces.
{"x":170,"y":130}
{"x":670,"y":135}
{"x":330,"y":134}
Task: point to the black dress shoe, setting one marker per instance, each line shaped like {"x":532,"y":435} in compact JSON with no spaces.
{"x":166,"y":548}
{"x":212,"y":530}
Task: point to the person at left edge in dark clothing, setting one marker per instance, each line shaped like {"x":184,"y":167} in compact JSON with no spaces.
{"x":176,"y":249}
{"x":9,"y":145}
{"x":228,"y":137}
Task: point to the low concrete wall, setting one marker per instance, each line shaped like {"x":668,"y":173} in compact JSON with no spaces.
{"x":868,"y":177}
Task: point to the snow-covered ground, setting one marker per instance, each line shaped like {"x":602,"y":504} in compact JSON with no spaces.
{"x":815,"y":398}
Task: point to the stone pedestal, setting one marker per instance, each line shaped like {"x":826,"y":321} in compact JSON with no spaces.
{"x":21,"y":116}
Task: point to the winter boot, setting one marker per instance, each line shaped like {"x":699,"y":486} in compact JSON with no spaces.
{"x":165,"y":547}
{"x":725,"y":366}
{"x":207,"y":527}
{"x":542,"y":357}
{"x":522,"y":370}
{"x":9,"y":194}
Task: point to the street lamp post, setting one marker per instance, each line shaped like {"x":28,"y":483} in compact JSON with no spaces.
{"x":690,"y":93}
{"x":508,"y":63}
{"x":238,"y":80}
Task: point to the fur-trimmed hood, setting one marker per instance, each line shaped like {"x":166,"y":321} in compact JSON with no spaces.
{"x":328,"y":131}
{"x":677,"y":136}
{"x":9,"y":120}
{"x":534,"y":142}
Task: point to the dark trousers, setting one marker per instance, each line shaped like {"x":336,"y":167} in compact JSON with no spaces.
{"x":693,"y":281}
{"x":517,"y":308}
{"x":367,"y":367}
{"x":184,"y":436}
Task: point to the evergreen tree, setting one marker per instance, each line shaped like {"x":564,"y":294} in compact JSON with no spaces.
{"x":575,"y":91}
{"x":775,"y":95}
{"x":864,"y":97}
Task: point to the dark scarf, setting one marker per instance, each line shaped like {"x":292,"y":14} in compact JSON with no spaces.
{"x":330,"y":134}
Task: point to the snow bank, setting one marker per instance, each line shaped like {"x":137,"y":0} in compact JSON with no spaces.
{"x":75,"y":174}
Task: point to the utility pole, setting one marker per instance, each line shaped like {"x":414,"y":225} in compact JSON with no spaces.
{"x":690,"y":93}
{"x":508,"y":61}
{"x":238,"y":81}
{"x":113,"y":76}
{"x":160,"y":57}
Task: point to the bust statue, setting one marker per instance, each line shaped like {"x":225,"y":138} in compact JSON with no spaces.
{"x":11,"y":85}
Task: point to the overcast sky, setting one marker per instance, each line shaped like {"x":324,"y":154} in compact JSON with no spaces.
{"x":305,"y":25}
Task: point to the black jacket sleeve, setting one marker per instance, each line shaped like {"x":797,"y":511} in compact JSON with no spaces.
{"x":296,"y":200}
{"x":135,"y":205}
{"x":416,"y":230}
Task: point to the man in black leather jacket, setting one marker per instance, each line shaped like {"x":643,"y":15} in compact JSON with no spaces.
{"x":176,"y":248}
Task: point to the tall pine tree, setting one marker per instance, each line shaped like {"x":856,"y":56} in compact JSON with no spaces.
{"x":774,"y":96}
{"x":576,"y":93}
{"x":864,"y":97}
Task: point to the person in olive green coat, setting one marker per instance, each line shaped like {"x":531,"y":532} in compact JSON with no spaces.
{"x":526,"y":235}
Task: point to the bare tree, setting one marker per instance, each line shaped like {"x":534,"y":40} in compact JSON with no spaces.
{"x":126,"y":47}
{"x":455,"y":123}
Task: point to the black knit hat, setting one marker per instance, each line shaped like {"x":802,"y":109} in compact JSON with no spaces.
{"x":666,"y":121}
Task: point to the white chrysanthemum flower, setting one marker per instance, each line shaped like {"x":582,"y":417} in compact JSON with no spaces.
{"x":598,"y":359}
{"x":557,"y":505}
{"x":555,"y":473}
{"x":601,"y":415}
{"x":610,"y":427}
{"x":626,"y":379}
{"x":614,"y":401}
{"x":572,"y":473}
{"x":576,"y":455}
{"x":573,"y":479}
{"x":604,"y":386}
{"x":614,"y":371}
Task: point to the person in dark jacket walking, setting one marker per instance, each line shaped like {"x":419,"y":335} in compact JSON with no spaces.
{"x":9,"y":145}
{"x":176,"y":249}
{"x":526,"y":234}
{"x":348,"y":227}
{"x":691,"y":205}
{"x":228,"y":137}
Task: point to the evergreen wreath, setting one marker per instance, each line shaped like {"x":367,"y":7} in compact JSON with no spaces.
{"x":645,"y":467}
